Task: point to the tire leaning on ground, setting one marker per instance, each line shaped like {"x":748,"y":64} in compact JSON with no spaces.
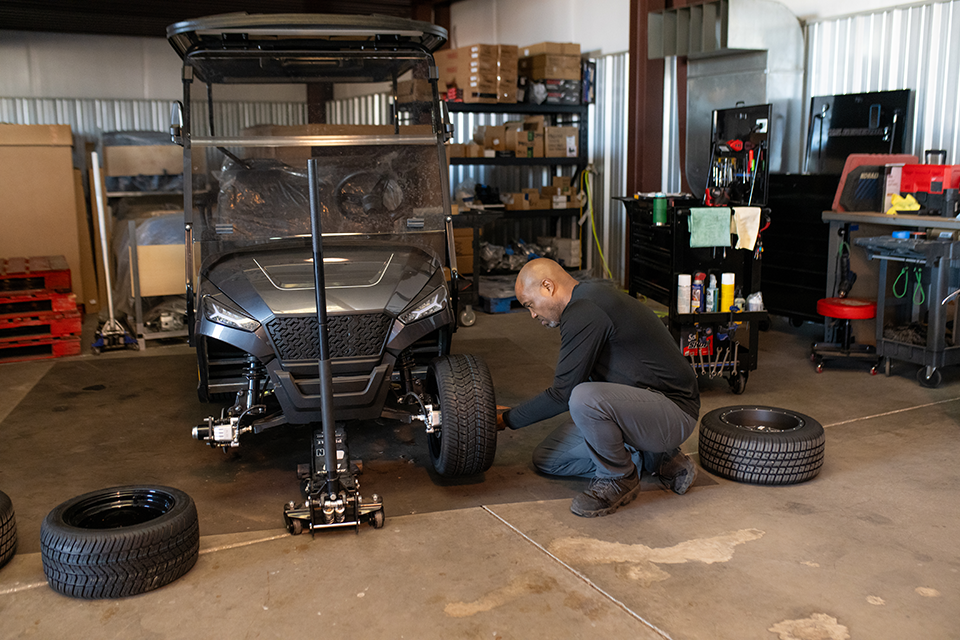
{"x":467,"y":441}
{"x":8,"y":529}
{"x":761,"y":445}
{"x":119,"y":542}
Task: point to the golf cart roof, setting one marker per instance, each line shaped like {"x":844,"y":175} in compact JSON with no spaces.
{"x":302,"y":32}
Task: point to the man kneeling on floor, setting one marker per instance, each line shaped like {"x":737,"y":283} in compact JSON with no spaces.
{"x":632,"y":396}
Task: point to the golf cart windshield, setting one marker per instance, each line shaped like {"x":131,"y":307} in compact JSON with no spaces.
{"x":378,"y":184}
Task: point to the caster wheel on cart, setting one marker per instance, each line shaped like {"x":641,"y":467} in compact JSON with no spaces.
{"x":819,"y":367}
{"x":738,"y":382}
{"x":873,"y":370}
{"x":376,"y":521}
{"x":296,"y":527}
{"x":468,"y":317}
{"x":932,"y":381}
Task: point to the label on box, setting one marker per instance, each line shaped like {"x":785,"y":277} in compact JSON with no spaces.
{"x":692,"y":345}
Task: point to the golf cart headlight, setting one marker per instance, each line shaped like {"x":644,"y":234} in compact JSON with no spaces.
{"x":430,"y":305}
{"x":222,"y":314}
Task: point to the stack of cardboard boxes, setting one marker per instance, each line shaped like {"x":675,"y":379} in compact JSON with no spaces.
{"x":480,"y":73}
{"x":527,"y":138}
{"x":559,"y":195}
{"x":555,"y":65}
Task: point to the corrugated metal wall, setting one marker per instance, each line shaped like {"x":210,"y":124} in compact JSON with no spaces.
{"x":90,"y":118}
{"x":607,"y":126}
{"x":914,"y":47}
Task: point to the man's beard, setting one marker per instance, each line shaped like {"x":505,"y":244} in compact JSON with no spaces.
{"x":552,"y":324}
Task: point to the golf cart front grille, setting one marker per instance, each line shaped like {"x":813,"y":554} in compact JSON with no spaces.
{"x":297,"y":338}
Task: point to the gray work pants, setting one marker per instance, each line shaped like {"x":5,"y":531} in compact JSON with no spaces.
{"x":614,"y":428}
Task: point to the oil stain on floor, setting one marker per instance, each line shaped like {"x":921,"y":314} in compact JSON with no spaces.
{"x":640,"y":561}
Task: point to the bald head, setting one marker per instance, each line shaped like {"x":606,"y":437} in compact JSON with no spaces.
{"x":544,"y":288}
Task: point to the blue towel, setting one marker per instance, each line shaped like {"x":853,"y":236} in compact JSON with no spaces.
{"x":709,"y":227}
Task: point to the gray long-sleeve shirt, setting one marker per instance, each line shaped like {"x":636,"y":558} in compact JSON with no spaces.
{"x":608,"y":336}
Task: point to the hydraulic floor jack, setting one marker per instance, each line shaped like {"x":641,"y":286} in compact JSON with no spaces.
{"x":111,"y":334}
{"x":332,"y":493}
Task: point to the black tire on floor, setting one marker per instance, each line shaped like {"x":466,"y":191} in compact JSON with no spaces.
{"x":467,"y":441}
{"x":761,"y":445}
{"x":119,"y":542}
{"x":8,"y":529}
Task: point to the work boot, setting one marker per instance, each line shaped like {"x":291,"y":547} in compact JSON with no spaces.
{"x":677,"y":471}
{"x":606,"y":495}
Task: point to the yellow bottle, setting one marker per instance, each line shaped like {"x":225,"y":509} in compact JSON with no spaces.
{"x":726,"y":291}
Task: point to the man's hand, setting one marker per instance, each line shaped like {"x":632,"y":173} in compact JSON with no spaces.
{"x":501,"y":425}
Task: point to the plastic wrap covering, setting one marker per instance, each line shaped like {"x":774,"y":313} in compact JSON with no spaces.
{"x":364,"y":191}
{"x":160,"y":227}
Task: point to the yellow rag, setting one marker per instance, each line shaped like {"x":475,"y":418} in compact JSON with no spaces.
{"x":901,"y":203}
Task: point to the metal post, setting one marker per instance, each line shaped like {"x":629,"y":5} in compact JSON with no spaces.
{"x":326,"y":378}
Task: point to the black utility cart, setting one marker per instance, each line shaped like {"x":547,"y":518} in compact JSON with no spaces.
{"x":658,"y":253}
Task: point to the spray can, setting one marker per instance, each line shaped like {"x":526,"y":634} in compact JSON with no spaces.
{"x":683,"y":293}
{"x":727,"y":281}
{"x":696,"y":292}
{"x":713,"y":299}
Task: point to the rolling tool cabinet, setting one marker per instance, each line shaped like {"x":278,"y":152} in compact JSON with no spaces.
{"x":657,"y":254}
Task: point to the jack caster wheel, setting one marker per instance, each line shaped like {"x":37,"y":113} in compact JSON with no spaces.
{"x":376,"y":520}
{"x":296,"y":526}
{"x":931,"y":382}
{"x":819,"y":367}
{"x":468,"y":317}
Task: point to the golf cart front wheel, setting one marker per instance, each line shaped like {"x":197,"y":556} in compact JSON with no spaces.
{"x":467,"y":438}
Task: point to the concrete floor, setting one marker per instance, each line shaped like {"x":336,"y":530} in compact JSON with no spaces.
{"x":868,"y":549}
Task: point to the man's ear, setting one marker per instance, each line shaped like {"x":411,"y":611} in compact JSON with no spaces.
{"x":549,"y":285}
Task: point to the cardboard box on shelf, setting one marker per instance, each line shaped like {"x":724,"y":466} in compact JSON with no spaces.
{"x":495,"y":137}
{"x":556,"y":48}
{"x":550,"y":66}
{"x":568,"y":249}
{"x":561,"y":142}
{"x":520,"y":141}
{"x":563,"y":91}
{"x":418,"y":90}
{"x":550,"y":191}
{"x":518,"y":202}
{"x":533,"y":196}
{"x":474,"y":150}
{"x":463,"y":247}
{"x":560,"y":202}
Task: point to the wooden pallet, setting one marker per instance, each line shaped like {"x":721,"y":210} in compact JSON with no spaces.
{"x":38,"y":273}
{"x":24,"y":305}
{"x":42,"y":325}
{"x":39,"y":349}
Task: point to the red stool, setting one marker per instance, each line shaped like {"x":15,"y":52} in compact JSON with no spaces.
{"x":842,"y":311}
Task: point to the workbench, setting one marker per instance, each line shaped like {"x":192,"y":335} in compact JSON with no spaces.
{"x":935,"y":261}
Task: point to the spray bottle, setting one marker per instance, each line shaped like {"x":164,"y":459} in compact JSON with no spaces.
{"x":713,"y":300}
{"x":696,"y":292}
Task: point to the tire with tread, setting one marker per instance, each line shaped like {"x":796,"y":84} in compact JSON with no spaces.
{"x":119,"y":542}
{"x":761,"y":445}
{"x":8,"y":529}
{"x":467,"y":441}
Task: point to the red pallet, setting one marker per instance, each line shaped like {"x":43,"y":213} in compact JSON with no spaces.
{"x":43,"y":325}
{"x":39,"y":349}
{"x":38,"y":273}
{"x":23,"y":305}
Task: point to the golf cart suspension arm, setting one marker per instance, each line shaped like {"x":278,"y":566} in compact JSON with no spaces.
{"x":226,"y":430}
